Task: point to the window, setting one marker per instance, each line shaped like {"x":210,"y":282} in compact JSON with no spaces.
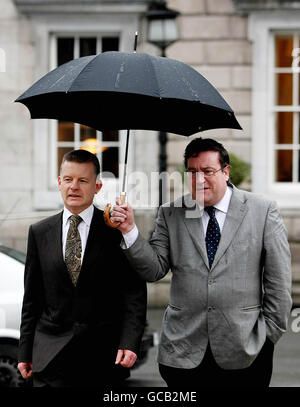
{"x":275,"y":106}
{"x":286,"y":107}
{"x":67,"y":136}
{"x":84,"y":24}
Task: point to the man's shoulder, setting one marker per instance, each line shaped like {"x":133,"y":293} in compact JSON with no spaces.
{"x":183,"y":201}
{"x":110,"y":233}
{"x":44,"y":224}
{"x":53,"y":219}
{"x":98,"y":212}
{"x":179,"y":207}
{"x":252,"y":198}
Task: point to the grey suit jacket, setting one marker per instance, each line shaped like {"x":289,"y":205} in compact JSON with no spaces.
{"x":243,"y":298}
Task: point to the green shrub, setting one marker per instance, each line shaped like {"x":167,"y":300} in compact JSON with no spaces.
{"x":239,"y":171}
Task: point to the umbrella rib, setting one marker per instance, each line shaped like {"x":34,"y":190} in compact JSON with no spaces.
{"x":155,"y":77}
{"x":188,"y":85}
{"x":91,"y":60}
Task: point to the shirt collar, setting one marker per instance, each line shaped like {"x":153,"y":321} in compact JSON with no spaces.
{"x":223,"y":204}
{"x":86,"y":215}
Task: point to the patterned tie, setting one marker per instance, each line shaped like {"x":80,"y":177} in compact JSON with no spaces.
{"x":213,"y":235}
{"x":73,"y":249}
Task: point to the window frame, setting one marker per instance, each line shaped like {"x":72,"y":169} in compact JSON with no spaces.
{"x":263,"y":27}
{"x":53,"y":124}
{"x":294,"y":108}
{"x":45,"y":194}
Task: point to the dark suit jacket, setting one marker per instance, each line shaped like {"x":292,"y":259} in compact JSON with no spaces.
{"x":108,"y":303}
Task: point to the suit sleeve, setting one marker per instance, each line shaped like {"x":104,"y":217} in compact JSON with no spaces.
{"x":32,"y":300}
{"x":151,"y":260}
{"x":277,"y":300}
{"x":135,"y":307}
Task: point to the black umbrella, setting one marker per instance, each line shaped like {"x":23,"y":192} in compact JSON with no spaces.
{"x":117,"y":90}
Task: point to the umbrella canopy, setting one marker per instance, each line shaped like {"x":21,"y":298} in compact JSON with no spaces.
{"x":117,"y":90}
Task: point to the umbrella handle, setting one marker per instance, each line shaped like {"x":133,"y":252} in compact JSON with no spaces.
{"x":108,"y":210}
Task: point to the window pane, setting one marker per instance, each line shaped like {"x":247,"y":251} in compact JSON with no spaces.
{"x":92,"y":145}
{"x":61,"y":151}
{"x":110,"y":160}
{"x":110,"y":135}
{"x":110,"y":44}
{"x":87,"y":46}
{"x":284,"y":89}
{"x":284,"y":128}
{"x":87,"y":133}
{"x":65,"y":50}
{"x":88,"y":137}
{"x":284,"y":49}
{"x":284,"y":166}
{"x":65,"y":131}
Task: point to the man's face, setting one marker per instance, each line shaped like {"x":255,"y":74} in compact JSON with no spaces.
{"x":78,"y":184}
{"x":210,"y":189}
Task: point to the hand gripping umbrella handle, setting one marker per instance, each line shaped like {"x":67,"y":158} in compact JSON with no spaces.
{"x":108,"y":210}
{"x":108,"y":207}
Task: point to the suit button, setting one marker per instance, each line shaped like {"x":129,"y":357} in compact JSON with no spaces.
{"x":210,"y":282}
{"x":210,"y":309}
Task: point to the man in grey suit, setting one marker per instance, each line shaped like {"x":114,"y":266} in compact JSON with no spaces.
{"x":231,"y":276}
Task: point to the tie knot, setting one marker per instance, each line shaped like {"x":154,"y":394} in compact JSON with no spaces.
{"x":75,"y":220}
{"x":210,"y":210}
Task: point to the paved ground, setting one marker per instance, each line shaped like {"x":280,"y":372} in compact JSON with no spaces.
{"x":286,"y":371}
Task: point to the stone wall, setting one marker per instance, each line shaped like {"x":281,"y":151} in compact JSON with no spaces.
{"x":213,"y":39}
{"x":15,"y":128}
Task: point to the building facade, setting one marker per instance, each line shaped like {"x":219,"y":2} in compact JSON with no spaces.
{"x":249,"y":50}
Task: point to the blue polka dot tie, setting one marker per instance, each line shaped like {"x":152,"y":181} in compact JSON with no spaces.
{"x":213,"y":235}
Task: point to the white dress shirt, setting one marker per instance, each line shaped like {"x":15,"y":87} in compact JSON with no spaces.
{"x":220,"y":213}
{"x":83,"y":227}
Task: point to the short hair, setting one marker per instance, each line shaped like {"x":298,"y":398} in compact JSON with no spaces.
{"x":82,"y":156}
{"x":199,"y":145}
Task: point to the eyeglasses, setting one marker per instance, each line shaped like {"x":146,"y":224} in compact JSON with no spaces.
{"x":206,"y":173}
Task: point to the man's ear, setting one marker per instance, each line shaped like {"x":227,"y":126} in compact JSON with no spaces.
{"x":59,"y":182}
{"x":98,"y":186}
{"x":226,"y":172}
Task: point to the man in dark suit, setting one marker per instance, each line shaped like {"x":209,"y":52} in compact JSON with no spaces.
{"x":83,"y":307}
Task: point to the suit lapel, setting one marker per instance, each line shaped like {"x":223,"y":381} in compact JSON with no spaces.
{"x":192,"y":217}
{"x":54,"y":243}
{"x":235,"y":215}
